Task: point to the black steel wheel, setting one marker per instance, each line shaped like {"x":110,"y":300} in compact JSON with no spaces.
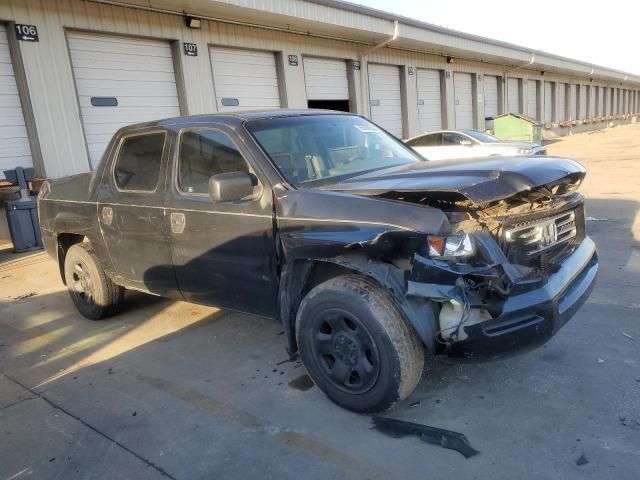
{"x":93,"y":293}
{"x":356,"y":345}
{"x":345,"y":350}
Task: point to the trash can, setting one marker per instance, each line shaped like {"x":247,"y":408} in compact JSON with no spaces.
{"x":22,"y":216}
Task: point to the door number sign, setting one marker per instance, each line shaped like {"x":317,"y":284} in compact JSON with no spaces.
{"x":191,"y":49}
{"x":26,"y":33}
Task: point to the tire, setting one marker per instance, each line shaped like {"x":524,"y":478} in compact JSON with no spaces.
{"x":356,"y":345}
{"x":92,"y":291}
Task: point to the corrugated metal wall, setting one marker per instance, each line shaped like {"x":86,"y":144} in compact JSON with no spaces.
{"x":55,"y":105}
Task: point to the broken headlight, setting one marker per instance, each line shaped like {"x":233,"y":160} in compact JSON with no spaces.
{"x":450,"y":246}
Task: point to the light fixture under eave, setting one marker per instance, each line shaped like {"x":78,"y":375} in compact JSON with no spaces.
{"x":450,"y":59}
{"x":193,"y":22}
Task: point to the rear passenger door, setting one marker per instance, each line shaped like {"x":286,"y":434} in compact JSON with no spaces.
{"x":429,"y":146}
{"x":452,"y":146}
{"x":131,"y":212}
{"x":223,"y":253}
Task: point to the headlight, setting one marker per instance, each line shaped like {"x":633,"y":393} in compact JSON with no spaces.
{"x":450,"y":246}
{"x":524,"y":151}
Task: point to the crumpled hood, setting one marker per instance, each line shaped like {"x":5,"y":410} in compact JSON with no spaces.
{"x":479,"y":180}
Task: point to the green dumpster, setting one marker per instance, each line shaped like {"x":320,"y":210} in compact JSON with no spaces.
{"x":515,"y":126}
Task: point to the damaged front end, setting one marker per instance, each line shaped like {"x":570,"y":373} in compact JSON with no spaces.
{"x":526,"y":267}
{"x":484,"y":257}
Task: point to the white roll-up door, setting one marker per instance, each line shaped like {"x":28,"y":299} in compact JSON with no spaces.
{"x":561,"y":92}
{"x":429,"y":100}
{"x":463,"y":100}
{"x":532,"y":99}
{"x":244,"y":79}
{"x":120,"y":81}
{"x":583,"y":102}
{"x":14,"y":142}
{"x":591,"y":97}
{"x":548,"y":102}
{"x":491,"y":96}
{"x":606,"y":101}
{"x":326,"y":79}
{"x":513,"y":95}
{"x":385,"y":98}
{"x":573,"y":102}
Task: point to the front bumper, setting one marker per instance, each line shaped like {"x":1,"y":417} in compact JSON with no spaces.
{"x":530,"y":319}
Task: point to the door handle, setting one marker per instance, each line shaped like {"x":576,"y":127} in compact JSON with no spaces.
{"x":177,"y":222}
{"x":107,"y":215}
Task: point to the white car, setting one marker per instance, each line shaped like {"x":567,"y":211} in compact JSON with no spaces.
{"x":447,"y":144}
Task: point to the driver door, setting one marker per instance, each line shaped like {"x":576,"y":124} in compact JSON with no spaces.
{"x":223,"y":253}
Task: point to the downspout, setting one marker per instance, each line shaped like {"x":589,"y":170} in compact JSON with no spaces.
{"x":363,"y":71}
{"x":382,"y":44}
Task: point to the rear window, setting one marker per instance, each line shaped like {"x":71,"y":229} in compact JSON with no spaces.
{"x":138,"y":165}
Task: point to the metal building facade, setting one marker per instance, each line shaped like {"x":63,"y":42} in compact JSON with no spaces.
{"x":268,"y":53}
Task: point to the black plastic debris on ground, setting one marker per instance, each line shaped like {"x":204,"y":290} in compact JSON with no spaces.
{"x":437,"y":436}
{"x":582,"y":460}
{"x":302,"y":383}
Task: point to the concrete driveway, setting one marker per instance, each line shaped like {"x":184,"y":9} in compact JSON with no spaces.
{"x":172,"y":390}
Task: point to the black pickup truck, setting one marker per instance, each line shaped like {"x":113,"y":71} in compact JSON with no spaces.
{"x":366,"y":252}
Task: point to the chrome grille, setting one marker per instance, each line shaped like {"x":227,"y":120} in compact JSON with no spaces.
{"x":540,"y":235}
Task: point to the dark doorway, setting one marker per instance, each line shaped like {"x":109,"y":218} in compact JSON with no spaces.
{"x":339,"y":105}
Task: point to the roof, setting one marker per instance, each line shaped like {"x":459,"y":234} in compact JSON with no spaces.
{"x":344,"y":5}
{"x":238,"y":117}
{"x":517,"y":115}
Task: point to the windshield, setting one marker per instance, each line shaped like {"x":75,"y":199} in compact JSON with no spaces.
{"x":327,"y":148}
{"x":482,"y":137}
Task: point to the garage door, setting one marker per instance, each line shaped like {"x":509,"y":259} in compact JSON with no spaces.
{"x":513,"y":95}
{"x":463,"y":100}
{"x":573,"y":102}
{"x":561,"y":92}
{"x":384,"y":97}
{"x":491,"y":96}
{"x":582,"y":102}
{"x":120,"y":81}
{"x":244,"y":79}
{"x":326,"y":79}
{"x":591,"y":98}
{"x":532,"y":98}
{"x":548,"y":102}
{"x":429,"y":100}
{"x":14,"y":143}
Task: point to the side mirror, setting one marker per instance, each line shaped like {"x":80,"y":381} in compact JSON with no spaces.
{"x":231,"y":186}
{"x":466,"y":142}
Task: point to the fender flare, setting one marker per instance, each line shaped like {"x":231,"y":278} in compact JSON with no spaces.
{"x":421,"y":313}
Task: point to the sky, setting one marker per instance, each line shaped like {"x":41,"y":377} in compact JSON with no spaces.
{"x":603,"y":32}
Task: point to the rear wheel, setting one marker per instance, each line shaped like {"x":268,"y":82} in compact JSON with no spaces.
{"x":92,"y":291}
{"x":356,"y":345}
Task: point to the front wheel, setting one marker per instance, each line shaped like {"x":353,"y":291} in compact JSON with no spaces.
{"x":92,"y":291}
{"x":356,"y":345}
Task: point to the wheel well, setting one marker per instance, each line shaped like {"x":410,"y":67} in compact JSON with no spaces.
{"x":300,"y":280}
{"x":65,"y":242}
{"x":323,"y":271}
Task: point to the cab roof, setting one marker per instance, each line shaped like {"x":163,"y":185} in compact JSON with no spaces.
{"x":233,"y":117}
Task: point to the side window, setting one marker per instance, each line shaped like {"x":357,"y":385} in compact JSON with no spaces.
{"x":204,"y":153}
{"x":432,"y":140}
{"x":449,"y":139}
{"x":138,"y":164}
